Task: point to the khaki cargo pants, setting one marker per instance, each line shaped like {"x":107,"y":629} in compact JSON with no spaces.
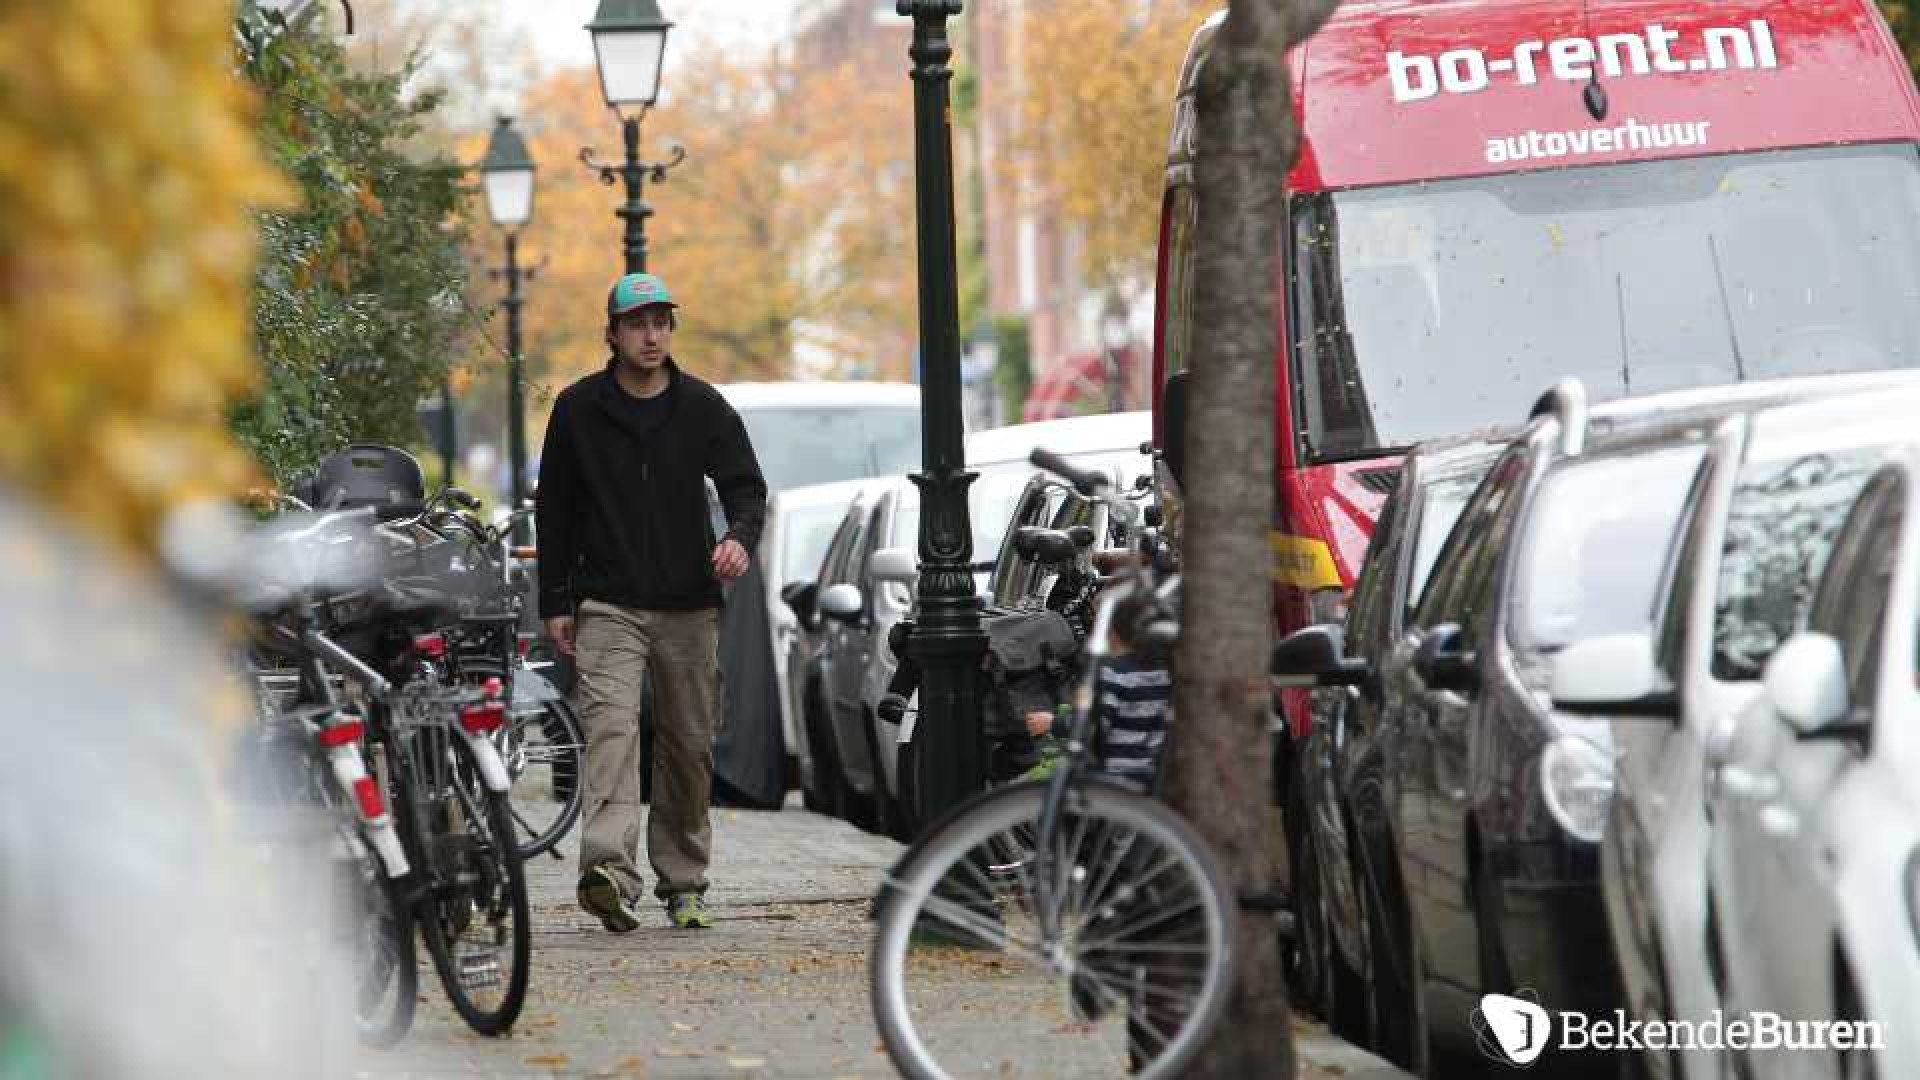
{"x":613,"y":647}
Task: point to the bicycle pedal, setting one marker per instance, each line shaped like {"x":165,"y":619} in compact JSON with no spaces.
{"x":479,"y":969}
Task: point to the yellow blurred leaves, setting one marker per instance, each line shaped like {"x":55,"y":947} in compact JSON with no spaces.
{"x":1098,"y":99}
{"x":127,"y":165}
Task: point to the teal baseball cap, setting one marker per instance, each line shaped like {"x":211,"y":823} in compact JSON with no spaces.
{"x":635,"y":291}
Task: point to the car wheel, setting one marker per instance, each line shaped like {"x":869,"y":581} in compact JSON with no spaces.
{"x":883,"y":814}
{"x":1354,"y":1018}
{"x":1307,"y":959}
{"x":823,"y":787}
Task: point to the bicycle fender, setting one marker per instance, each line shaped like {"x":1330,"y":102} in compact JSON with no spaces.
{"x":493,"y":771}
{"x":532,"y":689}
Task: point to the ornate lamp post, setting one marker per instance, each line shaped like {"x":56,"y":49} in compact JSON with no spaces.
{"x":507,"y":176}
{"x":630,"y":45}
{"x":947,"y":639}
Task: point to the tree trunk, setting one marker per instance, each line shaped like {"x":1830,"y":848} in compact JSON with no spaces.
{"x":1220,"y":753}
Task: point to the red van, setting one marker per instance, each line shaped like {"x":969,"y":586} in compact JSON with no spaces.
{"x":1493,"y":194}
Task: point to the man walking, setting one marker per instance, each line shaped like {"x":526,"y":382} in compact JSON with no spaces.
{"x":630,"y":578}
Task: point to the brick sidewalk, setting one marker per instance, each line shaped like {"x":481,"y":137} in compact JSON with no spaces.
{"x":777,"y":990}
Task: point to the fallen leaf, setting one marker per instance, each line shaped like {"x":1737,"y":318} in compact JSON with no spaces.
{"x":556,"y":1060}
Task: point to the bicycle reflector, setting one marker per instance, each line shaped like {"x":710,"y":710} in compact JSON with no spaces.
{"x":484,"y":718}
{"x":366,"y":791}
{"x":493,"y":688}
{"x":342,"y":732}
{"x":431,"y":646}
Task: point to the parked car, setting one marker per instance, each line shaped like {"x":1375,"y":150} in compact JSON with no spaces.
{"x":804,"y":433}
{"x":1495,"y":803}
{"x":871,"y":591}
{"x":807,"y":433}
{"x":1759,"y":524}
{"x":1361,"y":989}
{"x":1815,"y":799}
{"x":800,"y":524}
{"x":816,"y":606}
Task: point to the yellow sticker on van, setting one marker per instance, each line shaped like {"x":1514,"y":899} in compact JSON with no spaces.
{"x":1303,"y":562}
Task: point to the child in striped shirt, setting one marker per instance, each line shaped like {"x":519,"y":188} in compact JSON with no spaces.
{"x":1131,"y":698}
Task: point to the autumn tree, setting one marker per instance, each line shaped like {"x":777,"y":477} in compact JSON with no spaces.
{"x":356,"y":301}
{"x":1219,"y":755}
{"x":1097,"y":85}
{"x":125,"y":191}
{"x":786,"y":231}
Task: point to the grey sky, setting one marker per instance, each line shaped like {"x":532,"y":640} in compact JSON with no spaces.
{"x":554,"y":27}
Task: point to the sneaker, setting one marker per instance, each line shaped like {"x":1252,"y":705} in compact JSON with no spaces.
{"x":600,"y":897}
{"x":689,"y":912}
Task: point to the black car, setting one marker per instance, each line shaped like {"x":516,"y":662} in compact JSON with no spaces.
{"x":1338,"y":972}
{"x":1490,"y":805}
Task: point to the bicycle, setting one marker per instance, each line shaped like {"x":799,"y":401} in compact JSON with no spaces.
{"x":307,"y":746}
{"x":542,"y":741}
{"x":431,"y":740}
{"x":1099,"y":919}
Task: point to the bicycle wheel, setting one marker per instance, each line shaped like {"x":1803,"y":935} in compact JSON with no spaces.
{"x":545,"y":751}
{"x":967,"y":982}
{"x":474,"y":914}
{"x":386,"y":972}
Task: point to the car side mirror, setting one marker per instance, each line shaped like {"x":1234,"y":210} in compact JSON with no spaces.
{"x":1806,"y":682}
{"x":1316,"y":656}
{"x":841,"y":602}
{"x":1173,"y":426}
{"x":1443,"y":663}
{"x":895,"y":565}
{"x":799,"y":596}
{"x":1612,"y":675}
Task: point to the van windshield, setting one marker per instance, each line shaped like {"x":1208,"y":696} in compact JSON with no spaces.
{"x":798,"y":446}
{"x":1432,"y":308}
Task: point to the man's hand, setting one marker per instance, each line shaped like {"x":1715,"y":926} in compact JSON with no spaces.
{"x":729,"y":560}
{"x":560,"y":629}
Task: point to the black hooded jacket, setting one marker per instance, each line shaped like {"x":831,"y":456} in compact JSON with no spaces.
{"x":622,"y":513}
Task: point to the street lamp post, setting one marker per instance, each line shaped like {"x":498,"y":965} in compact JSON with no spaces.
{"x":507,"y":175}
{"x":630,"y":46}
{"x":947,"y":639}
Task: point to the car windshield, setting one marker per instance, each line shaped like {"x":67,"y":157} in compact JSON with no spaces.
{"x":805,"y":533}
{"x":1431,"y":308}
{"x":818,"y":445}
{"x":1781,"y":525}
{"x":1591,"y":560}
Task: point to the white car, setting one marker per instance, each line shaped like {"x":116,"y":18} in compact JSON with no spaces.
{"x":1766,"y":505}
{"x":1815,"y":797}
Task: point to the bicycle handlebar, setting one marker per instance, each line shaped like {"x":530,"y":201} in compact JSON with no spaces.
{"x":1089,"y":482}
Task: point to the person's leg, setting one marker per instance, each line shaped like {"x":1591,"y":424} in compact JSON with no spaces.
{"x":686,"y":699}
{"x":610,"y":654}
